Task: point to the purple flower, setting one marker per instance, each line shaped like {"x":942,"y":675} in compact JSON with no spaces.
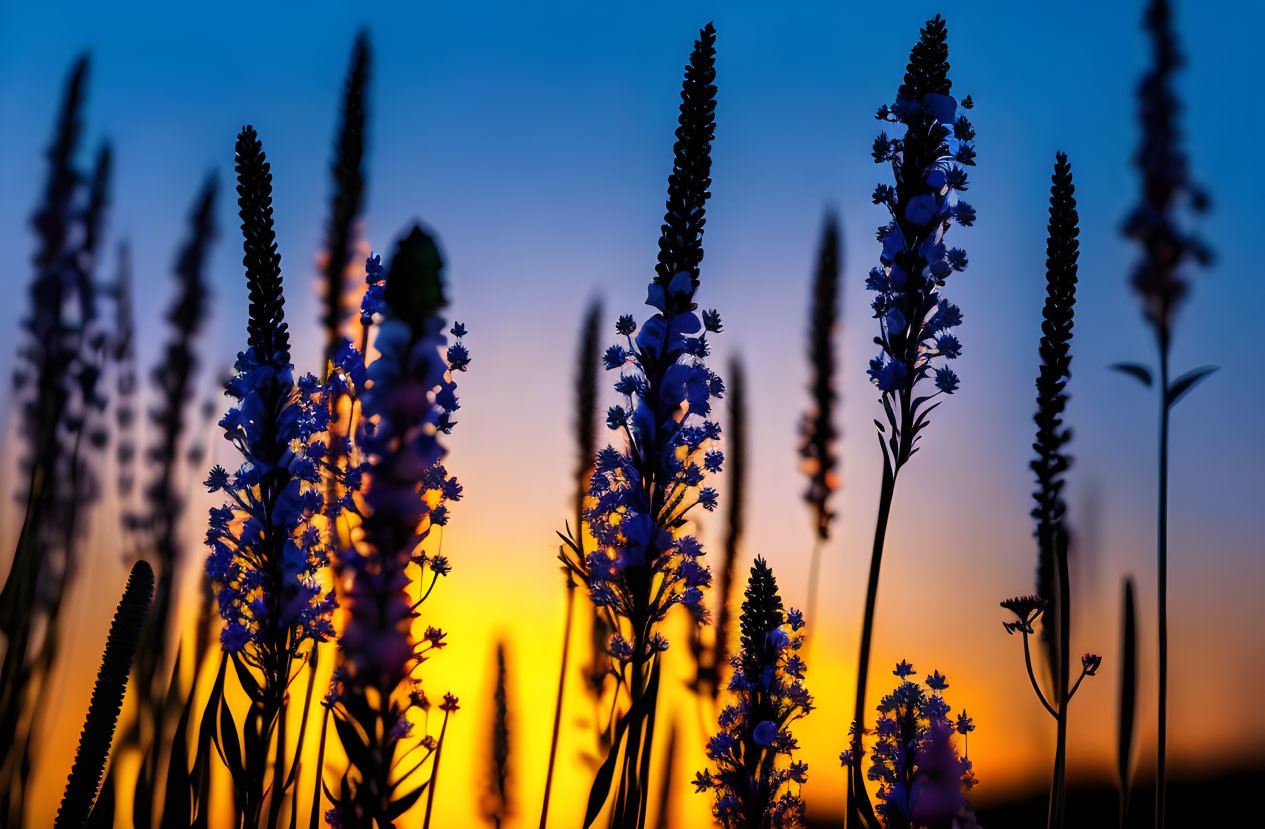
{"x":922,"y":210}
{"x":765,"y":733}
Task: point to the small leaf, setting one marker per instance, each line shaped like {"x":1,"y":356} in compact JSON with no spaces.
{"x":605,"y":774}
{"x":230,"y":744}
{"x":1182,"y":385}
{"x":1135,"y":370}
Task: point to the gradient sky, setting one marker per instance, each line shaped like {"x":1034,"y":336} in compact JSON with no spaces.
{"x":536,"y":141}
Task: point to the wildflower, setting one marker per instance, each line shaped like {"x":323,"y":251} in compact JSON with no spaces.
{"x":903,"y":669}
{"x":750,"y":784}
{"x":818,"y":433}
{"x":407,"y":398}
{"x":267,"y":588}
{"x":641,"y":495}
{"x":217,"y":480}
{"x":1052,"y":601}
{"x":1090,"y":663}
{"x":1159,"y":223}
{"x":922,"y":781}
{"x":347,"y":199}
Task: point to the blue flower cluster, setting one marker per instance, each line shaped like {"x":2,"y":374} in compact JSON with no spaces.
{"x":751,"y":784}
{"x":407,"y":397}
{"x":398,"y":492}
{"x":265,"y":549}
{"x":640,"y":497}
{"x":928,"y":165}
{"x":922,"y":780}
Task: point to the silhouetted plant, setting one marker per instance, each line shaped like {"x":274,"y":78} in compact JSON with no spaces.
{"x":922,"y":781}
{"x":587,"y":357}
{"x":818,"y":433}
{"x":928,"y":165}
{"x":348,"y":195}
{"x":1168,"y":248}
{"x":58,"y":366}
{"x":124,"y":358}
{"x":407,"y":396}
{"x":753,"y":748}
{"x":159,"y":523}
{"x":265,"y":551}
{"x":1052,"y":602}
{"x":710,"y":662}
{"x":643,"y":564}
{"x":497,"y":806}
{"x":107,"y":699}
{"x":1128,"y":699}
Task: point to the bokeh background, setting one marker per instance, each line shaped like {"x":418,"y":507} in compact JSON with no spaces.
{"x":536,"y":140}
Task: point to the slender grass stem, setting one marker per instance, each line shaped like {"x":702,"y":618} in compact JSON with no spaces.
{"x":1062,"y":598}
{"x":434,"y":774}
{"x":314,"y":818}
{"x":1161,"y":767}
{"x":857,"y":795}
{"x":1027,"y":658}
{"x":814,"y":576}
{"x":557,"y":709}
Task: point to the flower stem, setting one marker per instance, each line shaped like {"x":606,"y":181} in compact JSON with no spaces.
{"x":1161,"y":769}
{"x":557,"y":710}
{"x":434,"y":773}
{"x":814,"y":575}
{"x":1062,"y":609}
{"x":860,"y":800}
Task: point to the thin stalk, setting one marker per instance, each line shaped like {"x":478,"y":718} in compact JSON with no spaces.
{"x":871,"y":589}
{"x":279,"y":782}
{"x":1058,"y":788}
{"x":434,"y":774}
{"x":314,"y":818}
{"x":557,"y":709}
{"x":1161,"y":767}
{"x":857,"y":795}
{"x":814,"y":575}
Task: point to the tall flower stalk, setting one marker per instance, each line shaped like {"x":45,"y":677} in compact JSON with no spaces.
{"x":928,"y":164}
{"x":1053,"y":597}
{"x":58,"y":365}
{"x":407,"y":399}
{"x":645,"y":562}
{"x":756,"y":783}
{"x":266,"y":552}
{"x":1168,"y":248}
{"x":173,"y":380}
{"x":586,"y":444}
{"x":818,"y":433}
{"x":497,"y":805}
{"x":348,"y":195}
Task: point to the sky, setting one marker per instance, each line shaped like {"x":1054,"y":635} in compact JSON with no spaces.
{"x":535,"y":140}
